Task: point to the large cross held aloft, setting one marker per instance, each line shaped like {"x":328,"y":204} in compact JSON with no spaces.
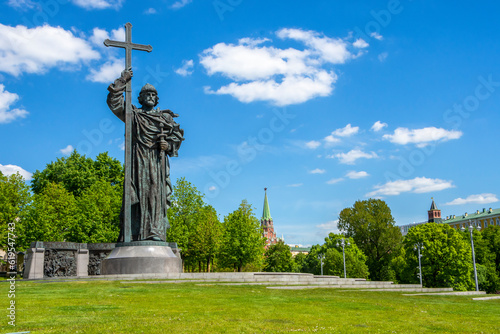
{"x":128,"y":46}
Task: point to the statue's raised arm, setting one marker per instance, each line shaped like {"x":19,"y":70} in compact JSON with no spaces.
{"x":115,"y":97}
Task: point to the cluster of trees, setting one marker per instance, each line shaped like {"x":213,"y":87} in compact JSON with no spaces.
{"x":74,"y":199}
{"x":78,"y":199}
{"x":378,"y":251}
{"x":207,"y":243}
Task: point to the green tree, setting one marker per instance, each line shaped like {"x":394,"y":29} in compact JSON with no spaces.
{"x":333,"y":261}
{"x":446,"y":257}
{"x":98,"y":215}
{"x":278,"y":258}
{"x":371,"y":225}
{"x":355,"y":260}
{"x":14,"y":199}
{"x":486,"y":257}
{"x":205,"y":242}
{"x":187,"y":203}
{"x":50,"y":217}
{"x":312,"y":264}
{"x":299,"y":262}
{"x":492,"y":236}
{"x":77,"y":173}
{"x":243,"y":242}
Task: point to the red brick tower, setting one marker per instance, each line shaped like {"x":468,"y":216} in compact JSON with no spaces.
{"x":267,"y":223}
{"x":434,"y":213}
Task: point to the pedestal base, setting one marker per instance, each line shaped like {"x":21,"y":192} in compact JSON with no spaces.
{"x":147,"y":259}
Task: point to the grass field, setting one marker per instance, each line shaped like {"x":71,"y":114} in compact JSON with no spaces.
{"x":115,"y":307}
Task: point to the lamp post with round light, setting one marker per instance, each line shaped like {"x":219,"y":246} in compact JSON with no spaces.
{"x":320,"y":258}
{"x":471,"y":228}
{"x":418,"y":247}
{"x":343,"y":243}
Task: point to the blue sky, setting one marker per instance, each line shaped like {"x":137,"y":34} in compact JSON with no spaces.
{"x":322,"y":102}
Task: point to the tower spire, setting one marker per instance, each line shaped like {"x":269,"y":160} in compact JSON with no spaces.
{"x":434,"y":213}
{"x":266,"y":213}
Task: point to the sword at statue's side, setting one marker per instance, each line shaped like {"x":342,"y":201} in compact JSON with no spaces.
{"x":128,"y":46}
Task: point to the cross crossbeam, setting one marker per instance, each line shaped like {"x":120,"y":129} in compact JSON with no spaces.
{"x":128,"y":46}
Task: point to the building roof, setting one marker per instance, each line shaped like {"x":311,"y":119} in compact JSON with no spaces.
{"x":476,"y":215}
{"x":266,"y":213}
{"x":433,"y":206}
{"x":300,"y":249}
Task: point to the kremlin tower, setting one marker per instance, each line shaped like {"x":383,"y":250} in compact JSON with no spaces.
{"x":267,"y":223}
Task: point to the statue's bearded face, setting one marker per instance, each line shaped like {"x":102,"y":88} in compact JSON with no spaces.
{"x":148,"y":99}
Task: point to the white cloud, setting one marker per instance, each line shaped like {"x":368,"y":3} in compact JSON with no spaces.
{"x":151,"y":11}
{"x":108,"y":71}
{"x":292,"y":90}
{"x":296,"y":185}
{"x":37,"y":49}
{"x":280,"y":76}
{"x":330,"y":139}
{"x":383,"y":56}
{"x":13,"y":169}
{"x":356,"y":175}
{"x":377,"y":126}
{"x":331,"y":226}
{"x":313,"y":144}
{"x":100,"y":35}
{"x":186,"y":68}
{"x":98,"y":4}
{"x":181,"y":3}
{"x":67,"y":150}
{"x":212,"y":188}
{"x":333,"y":181}
{"x":376,"y":35}
{"x":422,"y":137}
{"x":118,"y":34}
{"x":331,"y":50}
{"x":346,"y":131}
{"x":7,"y":114}
{"x":350,"y":157}
{"x":317,"y":171}
{"x":21,"y":4}
{"x":475,"y":199}
{"x":417,"y":185}
{"x":360,"y":43}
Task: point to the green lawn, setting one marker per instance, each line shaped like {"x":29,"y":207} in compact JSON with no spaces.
{"x":114,"y":307}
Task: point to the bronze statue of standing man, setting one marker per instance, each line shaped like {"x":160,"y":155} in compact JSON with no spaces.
{"x":155,"y":137}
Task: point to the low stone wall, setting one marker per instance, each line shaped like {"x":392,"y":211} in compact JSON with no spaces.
{"x":65,"y":259}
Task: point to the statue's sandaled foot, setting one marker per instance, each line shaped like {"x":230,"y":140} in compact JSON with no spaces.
{"x":154,"y":239}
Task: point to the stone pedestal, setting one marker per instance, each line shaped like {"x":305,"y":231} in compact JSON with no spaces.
{"x":34,"y":263}
{"x":82,"y":262}
{"x":142,"y":258}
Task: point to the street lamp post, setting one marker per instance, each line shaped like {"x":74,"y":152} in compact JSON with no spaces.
{"x":320,"y":257}
{"x":471,"y":228}
{"x":342,"y":243}
{"x":418,"y":247}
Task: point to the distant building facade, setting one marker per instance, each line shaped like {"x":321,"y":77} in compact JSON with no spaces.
{"x":482,"y":218}
{"x":267,"y":223}
{"x":296,"y":250}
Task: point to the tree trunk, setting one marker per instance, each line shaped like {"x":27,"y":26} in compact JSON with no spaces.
{"x":208,"y":265}
{"x":199,"y":266}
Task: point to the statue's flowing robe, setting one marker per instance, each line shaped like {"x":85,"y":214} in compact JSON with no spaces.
{"x":150,"y":174}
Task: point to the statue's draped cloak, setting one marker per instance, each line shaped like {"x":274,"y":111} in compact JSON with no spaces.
{"x":150,"y":173}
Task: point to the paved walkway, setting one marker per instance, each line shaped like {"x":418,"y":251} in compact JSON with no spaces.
{"x":455,"y":293}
